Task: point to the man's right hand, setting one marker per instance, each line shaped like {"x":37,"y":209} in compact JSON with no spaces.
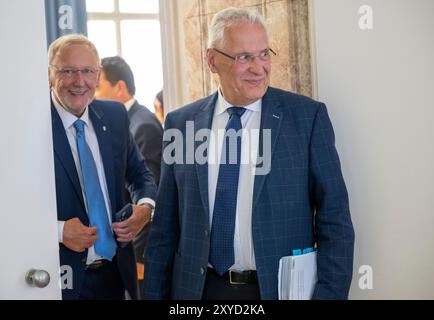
{"x":78,"y":237}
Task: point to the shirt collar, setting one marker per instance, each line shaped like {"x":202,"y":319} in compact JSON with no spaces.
{"x":222,"y":105}
{"x":129,"y":104}
{"x":68,"y":118}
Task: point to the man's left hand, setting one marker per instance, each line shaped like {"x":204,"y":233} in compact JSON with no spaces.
{"x":128,"y":229}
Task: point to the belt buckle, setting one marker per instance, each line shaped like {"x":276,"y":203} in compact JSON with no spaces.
{"x":234,"y":282}
{"x":96,"y":264}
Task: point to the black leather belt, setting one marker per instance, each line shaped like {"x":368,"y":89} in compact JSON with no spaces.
{"x":97,"y":264}
{"x":238,"y":277}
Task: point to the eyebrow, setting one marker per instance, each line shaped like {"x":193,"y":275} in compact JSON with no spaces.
{"x":245,"y":52}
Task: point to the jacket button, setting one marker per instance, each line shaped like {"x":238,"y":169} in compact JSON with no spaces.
{"x":206,"y":233}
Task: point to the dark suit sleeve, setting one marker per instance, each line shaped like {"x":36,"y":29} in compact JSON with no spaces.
{"x":149,"y":138}
{"x":140,"y":181}
{"x":333,"y":226}
{"x":164,"y":234}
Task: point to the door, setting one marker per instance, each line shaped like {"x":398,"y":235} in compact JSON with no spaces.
{"x":375,"y":72}
{"x":28,"y":237}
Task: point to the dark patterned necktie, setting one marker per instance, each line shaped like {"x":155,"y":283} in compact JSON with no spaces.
{"x":225,"y":204}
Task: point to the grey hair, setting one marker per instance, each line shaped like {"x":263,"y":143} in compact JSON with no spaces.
{"x":229,"y":17}
{"x":70,"y":39}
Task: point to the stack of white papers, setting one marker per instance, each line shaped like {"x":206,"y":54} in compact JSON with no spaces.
{"x":297,"y":276}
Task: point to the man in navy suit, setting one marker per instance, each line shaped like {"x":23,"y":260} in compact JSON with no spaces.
{"x":94,"y":157}
{"x":288,"y":194}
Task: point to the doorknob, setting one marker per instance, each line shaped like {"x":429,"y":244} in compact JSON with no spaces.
{"x":38,"y":278}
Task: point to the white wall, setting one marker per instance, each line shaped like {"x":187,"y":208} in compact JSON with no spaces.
{"x":28,"y":237}
{"x":379,"y":88}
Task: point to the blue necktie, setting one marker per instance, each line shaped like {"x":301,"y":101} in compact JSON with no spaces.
{"x":225,"y":204}
{"x":105,"y":246}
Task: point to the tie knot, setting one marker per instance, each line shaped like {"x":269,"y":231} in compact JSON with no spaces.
{"x":237,"y":111}
{"x":79,"y":126}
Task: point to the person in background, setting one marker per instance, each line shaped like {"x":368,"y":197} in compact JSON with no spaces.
{"x":221,"y":225}
{"x":117,"y":82}
{"x":94,"y":158}
{"x":159,"y":106}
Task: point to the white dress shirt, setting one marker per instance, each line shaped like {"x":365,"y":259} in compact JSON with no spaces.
{"x":129,"y":104}
{"x":250,"y":120}
{"x":68,"y":120}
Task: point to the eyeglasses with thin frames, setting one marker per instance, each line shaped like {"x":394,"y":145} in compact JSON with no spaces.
{"x":71,"y":72}
{"x":244,"y":58}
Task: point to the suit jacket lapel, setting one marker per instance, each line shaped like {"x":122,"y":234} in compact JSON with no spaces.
{"x":203,"y":120}
{"x":271,"y":118}
{"x":103,"y":134}
{"x":63,"y":152}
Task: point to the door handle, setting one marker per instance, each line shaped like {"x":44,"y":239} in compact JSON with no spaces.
{"x":37,"y":278}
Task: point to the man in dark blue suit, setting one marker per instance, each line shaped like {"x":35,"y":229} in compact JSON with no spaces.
{"x":220,"y":227}
{"x":95,"y":157}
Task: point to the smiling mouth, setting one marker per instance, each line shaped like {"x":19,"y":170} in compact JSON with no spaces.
{"x":77,"y":92}
{"x":255,"y":82}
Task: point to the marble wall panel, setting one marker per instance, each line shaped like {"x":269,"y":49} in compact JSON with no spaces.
{"x":288,"y":22}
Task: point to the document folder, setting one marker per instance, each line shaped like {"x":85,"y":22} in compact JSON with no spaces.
{"x":297,"y":276}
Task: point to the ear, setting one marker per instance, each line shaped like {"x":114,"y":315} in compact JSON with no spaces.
{"x":121,"y":87}
{"x":121,"y":91}
{"x":210,"y":58}
{"x":49,"y":79}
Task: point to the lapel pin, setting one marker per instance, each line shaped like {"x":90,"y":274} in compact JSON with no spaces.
{"x":104,"y":128}
{"x":277,"y":117}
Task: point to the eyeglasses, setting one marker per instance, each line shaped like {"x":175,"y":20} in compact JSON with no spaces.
{"x":71,"y":72}
{"x":244,"y":58}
